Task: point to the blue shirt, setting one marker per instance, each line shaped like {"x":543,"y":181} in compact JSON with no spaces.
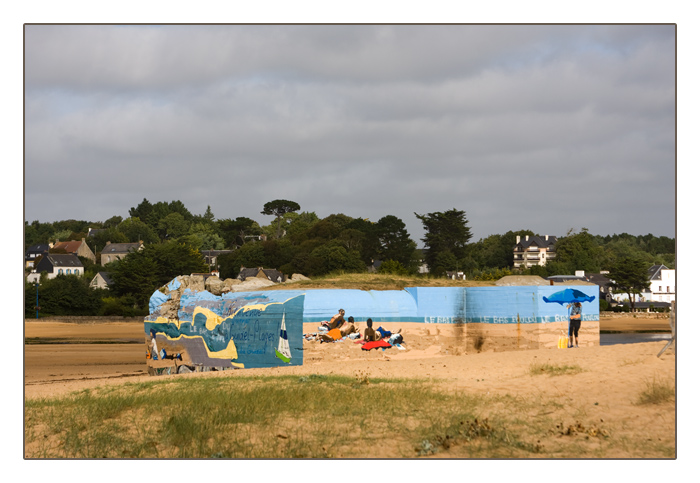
{"x":575,"y":310}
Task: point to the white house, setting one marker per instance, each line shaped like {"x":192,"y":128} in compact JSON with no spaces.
{"x":533,"y":250}
{"x":662,"y":287}
{"x":57,"y":264}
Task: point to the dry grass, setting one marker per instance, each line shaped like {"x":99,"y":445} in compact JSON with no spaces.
{"x":657,"y":392}
{"x":370,"y":281}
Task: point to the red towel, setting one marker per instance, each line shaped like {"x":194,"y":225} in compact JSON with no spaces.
{"x":375,"y":345}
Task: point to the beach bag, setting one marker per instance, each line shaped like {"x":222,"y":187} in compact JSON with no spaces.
{"x":563,"y":341}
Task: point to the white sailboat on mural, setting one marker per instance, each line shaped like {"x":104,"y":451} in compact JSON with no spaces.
{"x":282,"y":351}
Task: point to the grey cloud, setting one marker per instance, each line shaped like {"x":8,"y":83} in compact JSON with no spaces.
{"x":365,"y":120}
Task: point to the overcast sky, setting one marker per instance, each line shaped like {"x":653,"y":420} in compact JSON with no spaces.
{"x":546,"y":128}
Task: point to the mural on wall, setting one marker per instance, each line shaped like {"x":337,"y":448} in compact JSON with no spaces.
{"x":191,"y":329}
{"x":232,"y":331}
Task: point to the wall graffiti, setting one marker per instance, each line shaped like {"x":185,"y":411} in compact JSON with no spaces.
{"x":261,"y":331}
{"x":195,"y":330}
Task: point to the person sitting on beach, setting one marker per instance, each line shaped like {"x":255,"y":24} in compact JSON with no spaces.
{"x":349,"y":327}
{"x":370,"y":333}
{"x":337,"y":320}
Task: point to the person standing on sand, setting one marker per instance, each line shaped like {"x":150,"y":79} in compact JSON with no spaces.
{"x":574,"y":323}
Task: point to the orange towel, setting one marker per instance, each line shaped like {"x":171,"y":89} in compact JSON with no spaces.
{"x":334,"y":334}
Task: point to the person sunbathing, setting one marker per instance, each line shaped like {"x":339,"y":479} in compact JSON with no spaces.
{"x":383,"y":334}
{"x":346,"y":329}
{"x":371,"y":334}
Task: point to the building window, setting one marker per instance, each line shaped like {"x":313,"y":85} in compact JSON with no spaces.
{"x":60,"y":271}
{"x":668,"y":289}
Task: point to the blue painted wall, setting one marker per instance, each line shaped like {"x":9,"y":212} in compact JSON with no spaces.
{"x":252,"y":320}
{"x":496,"y":305}
{"x":414,"y":304}
{"x":238,"y":330}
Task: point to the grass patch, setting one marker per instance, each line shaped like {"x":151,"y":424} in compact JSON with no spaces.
{"x":262,"y":417}
{"x":313,"y":416}
{"x":554,"y":370}
{"x":657,"y":392}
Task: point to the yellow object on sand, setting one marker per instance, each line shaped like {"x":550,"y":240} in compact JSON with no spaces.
{"x":563,"y":342}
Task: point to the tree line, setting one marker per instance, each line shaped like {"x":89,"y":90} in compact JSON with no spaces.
{"x":298,"y":241}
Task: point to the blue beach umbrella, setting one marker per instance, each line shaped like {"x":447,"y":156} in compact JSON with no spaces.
{"x":568,"y":296}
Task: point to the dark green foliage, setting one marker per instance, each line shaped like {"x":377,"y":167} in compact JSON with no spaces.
{"x":579,"y":251}
{"x":136,"y":230}
{"x":279,"y":208}
{"x":445,"y":261}
{"x":494,"y":251}
{"x":228,"y":265}
{"x":135,"y":275}
{"x":313,"y":246}
{"x":139,"y":274}
{"x":392,"y":267}
{"x":99,"y":240}
{"x":630,"y":276}
{"x":299,"y":224}
{"x":234,"y":232}
{"x":332,"y":257}
{"x":446,"y":231}
{"x":394,"y":241}
{"x":63,"y":295}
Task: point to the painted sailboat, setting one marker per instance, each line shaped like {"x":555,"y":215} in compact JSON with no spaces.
{"x":282,"y":351}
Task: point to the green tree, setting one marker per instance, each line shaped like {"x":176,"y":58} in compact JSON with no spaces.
{"x":140,"y":273}
{"x":332,"y":257}
{"x":36,"y":233}
{"x":142,"y":211}
{"x":135,"y":275}
{"x":136,"y":230}
{"x":392,"y":267}
{"x":203,"y":237}
{"x":444,"y":261}
{"x":629,"y":276}
{"x":329,"y":228}
{"x":298,"y":224}
{"x":351,"y":239}
{"x":99,"y":240}
{"x":279,"y":208}
{"x":63,"y":295}
{"x":235,"y":231}
{"x":249,"y":255}
{"x":394,"y":240}
{"x":579,"y":251}
{"x":173,"y":226}
{"x":112,"y":222}
{"x":445,"y":231}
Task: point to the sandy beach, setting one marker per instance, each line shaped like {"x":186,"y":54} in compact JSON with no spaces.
{"x":604,"y":393}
